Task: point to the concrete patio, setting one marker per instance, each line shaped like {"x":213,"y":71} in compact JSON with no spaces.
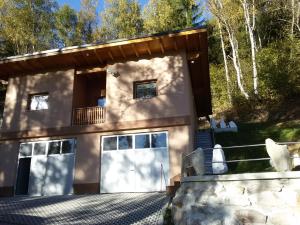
{"x":107,"y":209}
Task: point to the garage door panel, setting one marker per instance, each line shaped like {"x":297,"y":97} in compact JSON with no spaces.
{"x":59,"y":175}
{"x":37,"y":174}
{"x":141,"y":169}
{"x":117,"y":171}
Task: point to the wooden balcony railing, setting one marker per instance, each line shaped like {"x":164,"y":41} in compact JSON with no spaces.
{"x":88,"y":115}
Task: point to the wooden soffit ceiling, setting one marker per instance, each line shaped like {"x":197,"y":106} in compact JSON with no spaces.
{"x":194,"y":41}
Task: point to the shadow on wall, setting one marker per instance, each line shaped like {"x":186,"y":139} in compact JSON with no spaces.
{"x":59,"y":86}
{"x":172,"y":100}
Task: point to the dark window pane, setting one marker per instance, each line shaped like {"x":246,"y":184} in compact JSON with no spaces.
{"x":39,"y":148}
{"x":54,"y":147}
{"x":110,"y":143}
{"x":125,"y":142}
{"x":159,"y":140}
{"x":142,"y":141}
{"x":25,"y":149}
{"x":67,"y":146}
{"x":145,"y":90}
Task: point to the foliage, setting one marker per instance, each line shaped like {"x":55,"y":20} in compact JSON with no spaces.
{"x":121,"y":19}
{"x":167,"y":15}
{"x":66,"y":25}
{"x":256,"y":133}
{"x":26,"y":26}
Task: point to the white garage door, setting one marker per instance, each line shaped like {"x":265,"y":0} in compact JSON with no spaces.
{"x":49,"y":170}
{"x":135,"y":163}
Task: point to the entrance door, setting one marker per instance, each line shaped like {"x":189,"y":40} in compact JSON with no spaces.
{"x":134,"y":163}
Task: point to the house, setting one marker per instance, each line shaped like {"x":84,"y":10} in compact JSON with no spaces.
{"x":103,"y":118}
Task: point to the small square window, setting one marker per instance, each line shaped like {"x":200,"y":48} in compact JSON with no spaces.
{"x":125,"y":142}
{"x":159,"y":140}
{"x":39,"y":148}
{"x":26,"y":149}
{"x":38,"y":101}
{"x":110,"y":143}
{"x":145,"y":89}
{"x":54,"y":148}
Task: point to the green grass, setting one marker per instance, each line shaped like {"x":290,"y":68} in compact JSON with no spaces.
{"x":256,"y":133}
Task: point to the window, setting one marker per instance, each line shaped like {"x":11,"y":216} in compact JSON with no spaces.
{"x":145,"y":89}
{"x":142,"y":141}
{"x":39,"y":148}
{"x":54,"y":148}
{"x":125,"y":142}
{"x":138,"y":141}
{"x":159,"y":140}
{"x":26,"y":149}
{"x":110,"y":143}
{"x":38,"y":101}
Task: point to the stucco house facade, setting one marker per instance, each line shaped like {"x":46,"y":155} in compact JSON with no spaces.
{"x":103,"y":118}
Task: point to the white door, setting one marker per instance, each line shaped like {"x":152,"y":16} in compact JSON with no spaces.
{"x":37,"y":174}
{"x":59,"y":174}
{"x":134,"y":163}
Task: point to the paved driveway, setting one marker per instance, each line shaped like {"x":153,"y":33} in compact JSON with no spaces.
{"x":110,"y":209}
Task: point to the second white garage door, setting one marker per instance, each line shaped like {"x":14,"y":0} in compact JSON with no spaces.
{"x":135,"y":162}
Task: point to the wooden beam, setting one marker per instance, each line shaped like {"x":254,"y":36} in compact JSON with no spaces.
{"x":175,"y":44}
{"x":134,"y":49}
{"x":98,"y":57}
{"x":122,"y":52}
{"x":186,"y":38}
{"x":199,"y":37}
{"x":148,"y":48}
{"x":161,"y":46}
{"x":110,"y":54}
{"x":90,"y":70}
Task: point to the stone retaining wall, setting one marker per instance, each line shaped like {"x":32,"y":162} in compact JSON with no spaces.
{"x":260,"y":198}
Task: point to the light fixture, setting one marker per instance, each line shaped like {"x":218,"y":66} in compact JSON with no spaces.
{"x":113,"y":72}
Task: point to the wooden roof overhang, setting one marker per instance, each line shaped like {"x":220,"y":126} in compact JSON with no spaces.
{"x":193,"y":41}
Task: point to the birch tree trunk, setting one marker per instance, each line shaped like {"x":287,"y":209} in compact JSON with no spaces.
{"x":236,"y":60}
{"x":217,"y":7}
{"x":251,"y":28}
{"x":293,"y":17}
{"x":225,"y":62}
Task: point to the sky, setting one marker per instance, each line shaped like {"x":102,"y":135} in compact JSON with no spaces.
{"x":75,"y":4}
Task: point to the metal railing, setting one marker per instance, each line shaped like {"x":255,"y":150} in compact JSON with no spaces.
{"x":88,"y":115}
{"x":241,"y":146}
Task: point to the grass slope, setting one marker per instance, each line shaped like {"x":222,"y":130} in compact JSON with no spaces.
{"x":256,"y":133}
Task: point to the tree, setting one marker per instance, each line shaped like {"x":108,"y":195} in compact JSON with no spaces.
{"x":87,"y":21}
{"x":66,"y":26}
{"x":28,"y":24}
{"x":167,"y":15}
{"x":121,"y":19}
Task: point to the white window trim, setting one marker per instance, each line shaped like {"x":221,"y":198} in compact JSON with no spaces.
{"x":47,"y":147}
{"x":133,"y":140}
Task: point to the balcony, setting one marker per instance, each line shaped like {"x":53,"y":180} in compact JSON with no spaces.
{"x":88,"y":115}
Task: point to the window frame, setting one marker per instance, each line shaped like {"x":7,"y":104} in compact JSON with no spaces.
{"x":133,"y":141}
{"x":135,"y":83}
{"x":47,"y":147}
{"x":29,"y":100}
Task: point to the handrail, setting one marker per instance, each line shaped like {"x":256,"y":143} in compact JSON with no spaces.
{"x":245,"y":146}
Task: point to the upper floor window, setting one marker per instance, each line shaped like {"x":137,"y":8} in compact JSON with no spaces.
{"x":145,"y":89}
{"x":38,"y":101}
